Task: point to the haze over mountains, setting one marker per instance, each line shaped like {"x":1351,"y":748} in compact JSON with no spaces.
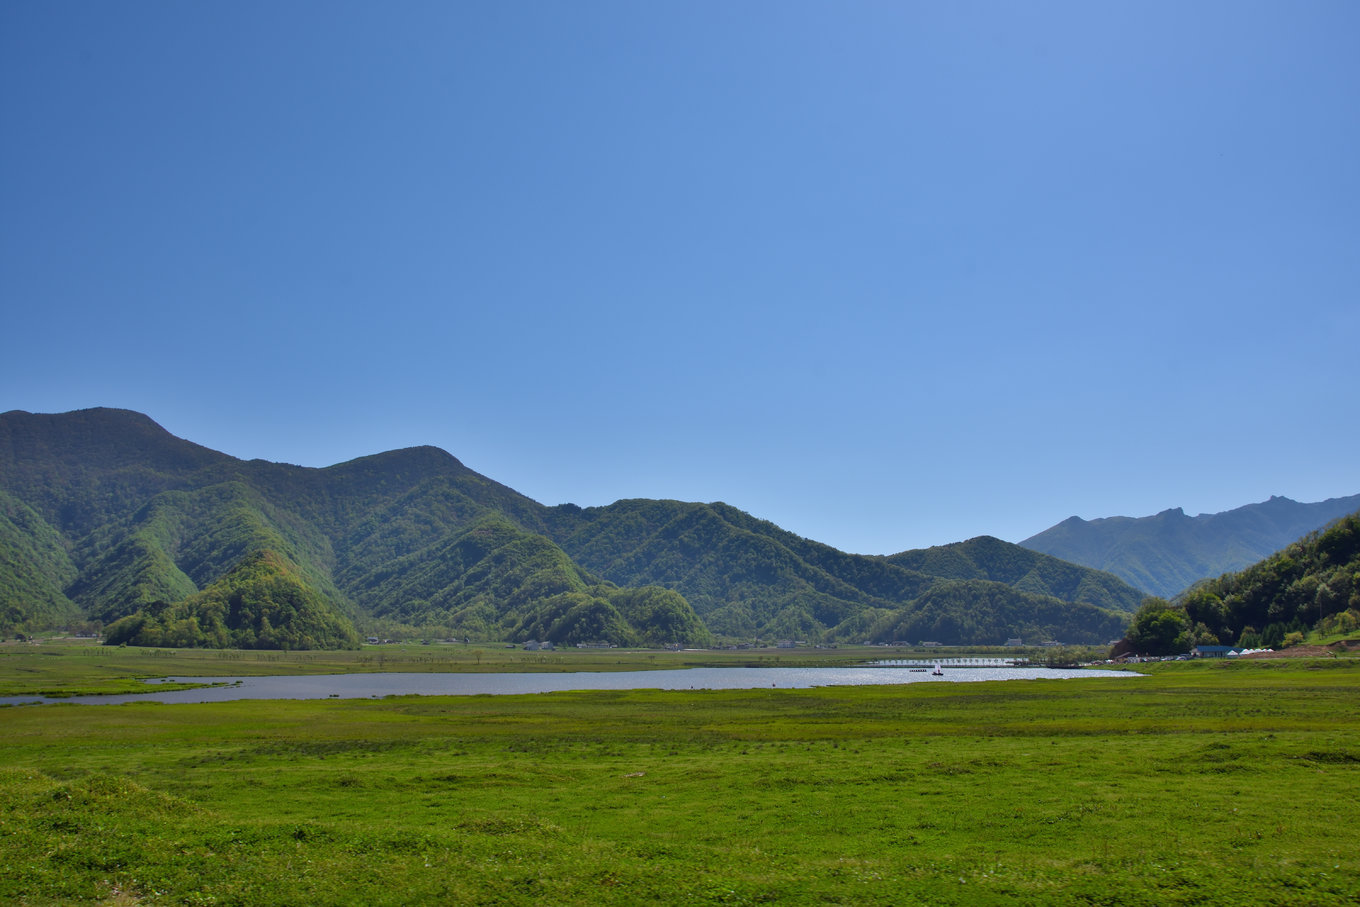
{"x":105,"y":516}
{"x":1166,"y":553}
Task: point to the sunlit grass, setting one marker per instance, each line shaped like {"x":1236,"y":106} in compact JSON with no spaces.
{"x":1198,"y":784}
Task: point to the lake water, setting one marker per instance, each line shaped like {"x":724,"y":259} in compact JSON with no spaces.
{"x":368,"y":686}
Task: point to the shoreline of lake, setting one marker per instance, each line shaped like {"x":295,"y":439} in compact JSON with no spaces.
{"x":367,"y":685}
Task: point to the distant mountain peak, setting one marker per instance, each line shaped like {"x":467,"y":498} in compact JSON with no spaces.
{"x":102,"y":435}
{"x":407,"y":463}
{"x":423,"y":453}
{"x":1168,"y":552}
{"x":103,"y":415}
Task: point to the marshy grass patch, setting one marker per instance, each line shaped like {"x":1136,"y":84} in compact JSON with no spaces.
{"x":1191,"y":785}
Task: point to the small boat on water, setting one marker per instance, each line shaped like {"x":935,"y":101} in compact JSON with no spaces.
{"x":938,"y":672}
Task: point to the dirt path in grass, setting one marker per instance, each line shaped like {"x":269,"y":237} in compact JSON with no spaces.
{"x":1344,"y":647}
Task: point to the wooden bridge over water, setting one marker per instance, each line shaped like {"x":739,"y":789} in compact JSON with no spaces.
{"x":949,"y":663}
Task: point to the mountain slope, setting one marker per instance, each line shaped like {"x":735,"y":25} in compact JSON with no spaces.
{"x":34,"y":570}
{"x":987,"y":558}
{"x":747,"y":577}
{"x":262,"y":602}
{"x":1303,"y":585}
{"x":1166,"y":553}
{"x":743,"y":582}
{"x":152,"y":527}
{"x":107,"y":516}
{"x":955,"y":612}
{"x":181,"y":541}
{"x":82,"y":469}
{"x":1311,"y":583}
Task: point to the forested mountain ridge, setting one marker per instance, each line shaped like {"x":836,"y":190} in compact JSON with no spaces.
{"x":106,"y":516}
{"x":748,"y":577}
{"x":1168,"y":552}
{"x":988,"y":558}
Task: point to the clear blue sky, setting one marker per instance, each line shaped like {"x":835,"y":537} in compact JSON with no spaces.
{"x":887,"y":274}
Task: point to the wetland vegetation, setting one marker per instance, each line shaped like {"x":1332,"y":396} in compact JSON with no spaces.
{"x":1224,"y":782}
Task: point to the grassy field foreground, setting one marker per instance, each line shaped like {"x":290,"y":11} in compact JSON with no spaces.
{"x":1199,"y":784}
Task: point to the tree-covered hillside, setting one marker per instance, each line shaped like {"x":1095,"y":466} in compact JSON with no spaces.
{"x":747,"y":577}
{"x":1313,"y":584}
{"x":35,"y":570}
{"x":262,"y":602}
{"x":106,"y":517}
{"x":958,"y":612}
{"x":83,"y":469}
{"x":987,"y":558}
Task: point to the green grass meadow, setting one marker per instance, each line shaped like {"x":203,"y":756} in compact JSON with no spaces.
{"x":1224,"y":783}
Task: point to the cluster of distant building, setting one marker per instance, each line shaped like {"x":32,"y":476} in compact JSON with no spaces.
{"x":1196,"y":652}
{"x":1223,"y":651}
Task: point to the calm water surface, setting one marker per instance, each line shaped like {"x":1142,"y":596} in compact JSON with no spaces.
{"x":367,"y":686}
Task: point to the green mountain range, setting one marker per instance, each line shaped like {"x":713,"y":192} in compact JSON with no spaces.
{"x":106,"y":517}
{"x":1167,"y":553}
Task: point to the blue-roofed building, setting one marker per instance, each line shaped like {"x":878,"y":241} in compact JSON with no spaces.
{"x":1216,"y":651}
